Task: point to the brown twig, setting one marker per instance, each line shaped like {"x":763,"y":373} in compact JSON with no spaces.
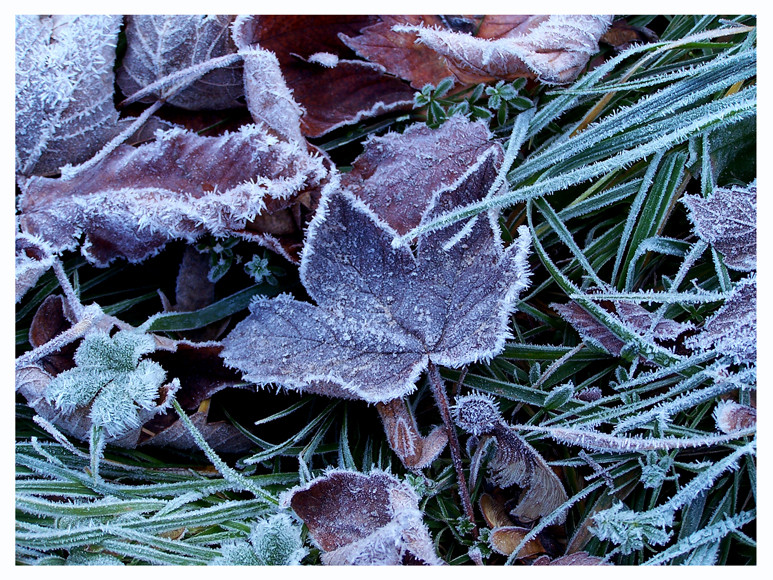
{"x":438,"y":389}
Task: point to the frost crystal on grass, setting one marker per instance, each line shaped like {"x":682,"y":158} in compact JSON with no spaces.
{"x":383,"y":313}
{"x":631,"y":530}
{"x":110,"y":377}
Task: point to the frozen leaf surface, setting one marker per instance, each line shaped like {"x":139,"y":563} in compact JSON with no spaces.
{"x":576,"y":559}
{"x":636,"y":317}
{"x":398,"y":184}
{"x":110,"y":377}
{"x":382,"y":313}
{"x":554,"y":52}
{"x":160,"y":45}
{"x":733,"y":329}
{"x":64,"y":89}
{"x":728,"y":221}
{"x":180,"y":186}
{"x":360,"y":519}
{"x":275,"y":541}
{"x":415,"y":451}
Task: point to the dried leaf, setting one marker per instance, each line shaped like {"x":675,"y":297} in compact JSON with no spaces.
{"x":160,"y":45}
{"x":518,"y":463}
{"x":636,"y":317}
{"x":397,"y":184}
{"x":360,"y":519}
{"x":64,"y":89}
{"x":383,"y":313}
{"x":33,"y":258}
{"x":554,"y":52}
{"x":398,"y":52}
{"x":732,"y":330}
{"x":330,"y":96}
{"x":178,"y":187}
{"x":49,"y":321}
{"x":731,"y":416}
{"x":505,"y":540}
{"x":415,"y":451}
{"x":622,"y":36}
{"x":728,"y":221}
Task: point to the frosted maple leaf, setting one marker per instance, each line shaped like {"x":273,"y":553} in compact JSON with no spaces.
{"x":382,"y":313}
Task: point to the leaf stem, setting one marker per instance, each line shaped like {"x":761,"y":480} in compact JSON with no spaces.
{"x":441,"y":399}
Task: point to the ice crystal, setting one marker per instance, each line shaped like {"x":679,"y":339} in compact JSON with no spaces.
{"x":631,"y":530}
{"x":111,"y":377}
{"x":477,"y":413}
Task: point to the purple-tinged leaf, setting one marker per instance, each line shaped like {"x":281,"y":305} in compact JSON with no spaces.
{"x":159,"y":45}
{"x":728,"y":221}
{"x":732,"y":330}
{"x":382,"y":313}
{"x":359,"y":519}
{"x":178,"y":187}
{"x":398,"y":184}
{"x":636,"y":317}
{"x":64,"y":89}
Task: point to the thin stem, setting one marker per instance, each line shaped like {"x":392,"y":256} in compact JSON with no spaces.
{"x":441,"y":399}
{"x":69,"y":292}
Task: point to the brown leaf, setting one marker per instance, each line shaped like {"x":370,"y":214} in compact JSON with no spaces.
{"x":179,"y":187}
{"x":33,"y":258}
{"x":505,"y":540}
{"x":622,"y":35}
{"x":360,"y":519}
{"x":636,"y":317}
{"x":160,"y":45}
{"x":554,"y":52}
{"x":220,"y":435}
{"x":398,"y":52}
{"x":332,"y":96}
{"x":518,"y":463}
{"x":731,"y":416}
{"x":398,"y":175}
{"x":415,"y":451}
{"x":50,"y":320}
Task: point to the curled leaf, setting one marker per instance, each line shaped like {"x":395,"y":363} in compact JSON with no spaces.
{"x":415,"y":451}
{"x":728,"y":221}
{"x":382,"y":312}
{"x":732,"y":330}
{"x":359,"y":519}
{"x":331,"y":96}
{"x":554,"y":51}
{"x":33,"y":258}
{"x":64,"y":89}
{"x":159,"y":45}
{"x":180,"y":186}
